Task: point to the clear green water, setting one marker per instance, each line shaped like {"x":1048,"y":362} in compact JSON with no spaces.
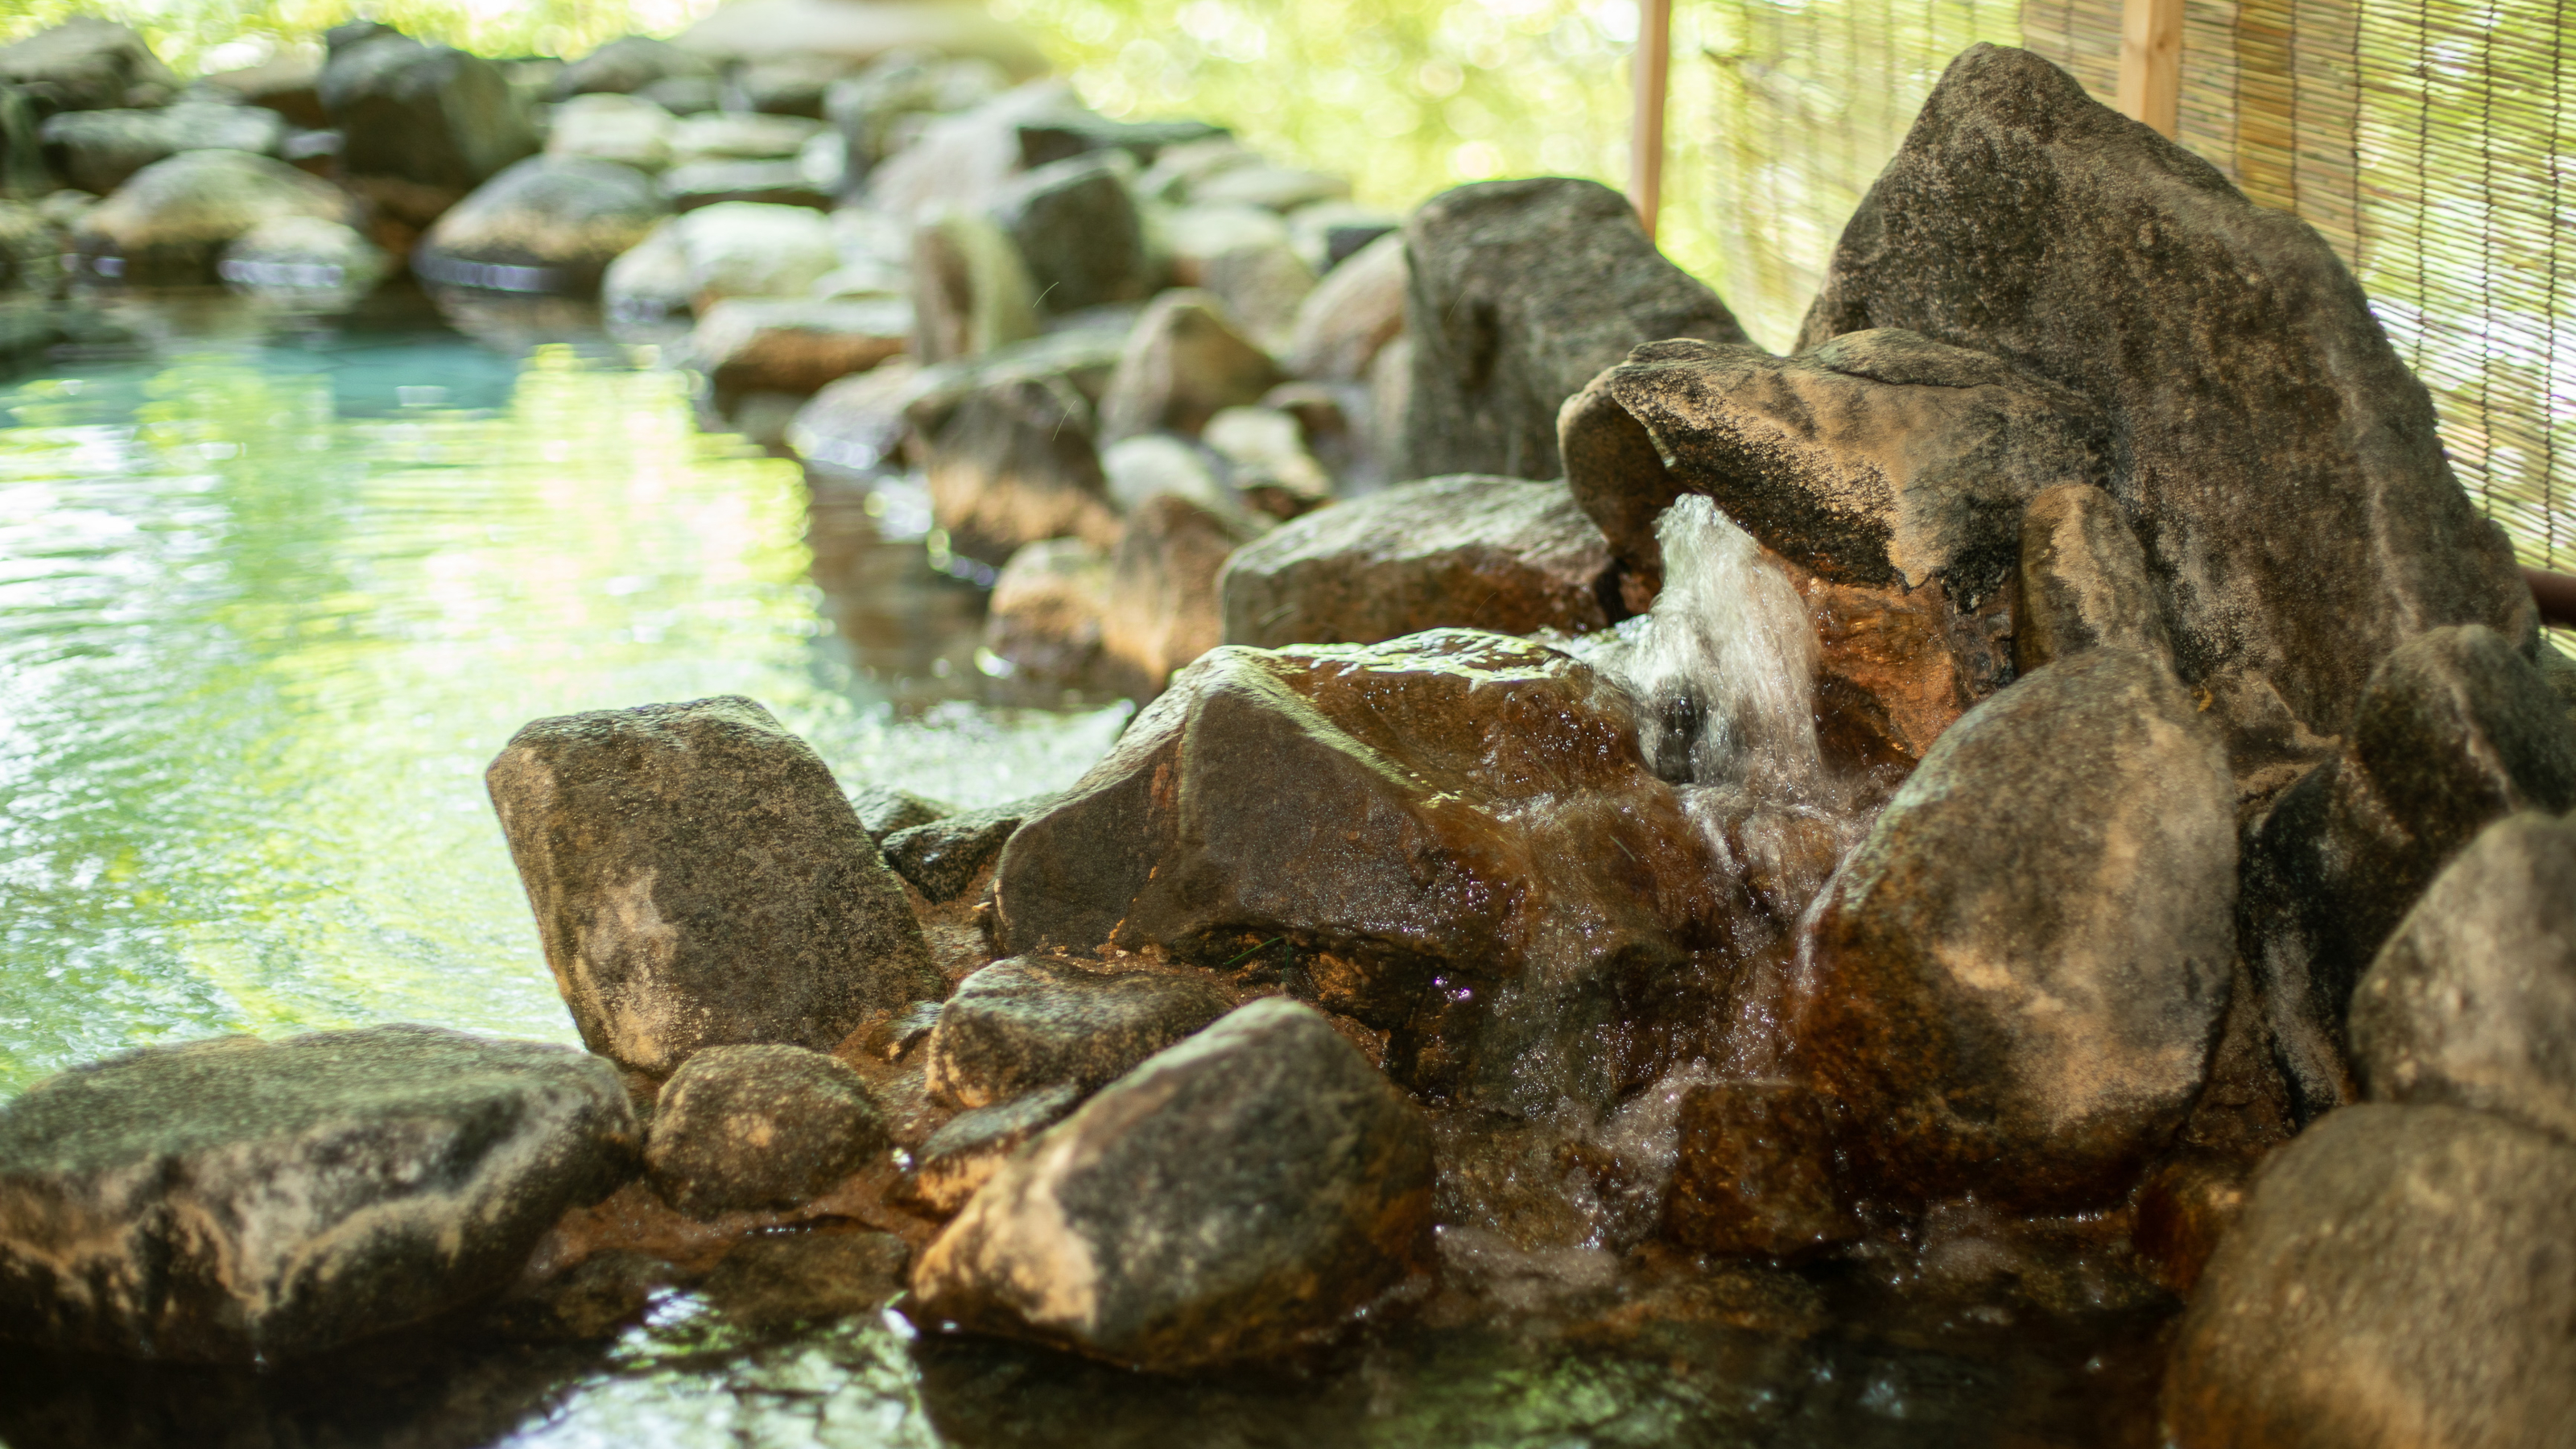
{"x":272,"y":592}
{"x":270,"y":597}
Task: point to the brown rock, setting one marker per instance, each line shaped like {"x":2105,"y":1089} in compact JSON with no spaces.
{"x":795,"y":347}
{"x":1239,"y":1196}
{"x":964,"y":1153}
{"x":1162,"y":611}
{"x":738,"y":1128}
{"x":2401,"y":1276}
{"x":1031,"y":1023}
{"x":1522,"y":292}
{"x":2185,"y":1208}
{"x":816,"y":1274}
{"x":1010,"y":458}
{"x":1353,"y":313}
{"x":2082,"y":581}
{"x":1185,"y":360}
{"x":1756,"y":1172}
{"x":1046,"y":609}
{"x":1471,"y":552}
{"x":665,"y":936}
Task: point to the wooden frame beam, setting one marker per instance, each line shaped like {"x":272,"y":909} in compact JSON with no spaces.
{"x":2151,"y":63}
{"x":1651,"y":70}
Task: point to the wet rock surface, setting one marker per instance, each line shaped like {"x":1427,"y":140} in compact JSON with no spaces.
{"x":1240,"y":1195}
{"x":959,"y":1158}
{"x":2455,"y":730}
{"x":2279,"y":461}
{"x":1452,"y":837}
{"x":1755,"y":1172}
{"x":237,"y":1199}
{"x":2472,"y":1002}
{"x":1881,"y":458}
{"x":746,"y":1127}
{"x":1031,"y":1023}
{"x":941,"y":858}
{"x":663,"y":936}
{"x":2015,"y":984}
{"x":1521,"y":292}
{"x":808,"y":1276}
{"x":1470,"y":552}
{"x":2401,"y":1275}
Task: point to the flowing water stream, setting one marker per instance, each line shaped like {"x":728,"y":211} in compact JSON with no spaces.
{"x":273,"y":589}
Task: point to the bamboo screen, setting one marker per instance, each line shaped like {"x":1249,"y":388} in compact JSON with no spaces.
{"x":2427,"y":140}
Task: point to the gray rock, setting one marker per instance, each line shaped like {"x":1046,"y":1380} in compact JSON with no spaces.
{"x":1186,"y":359}
{"x":1452,"y":808}
{"x":964,"y":161}
{"x":684,"y":95}
{"x":628,"y":64}
{"x":1045,"y":611}
{"x":807,"y":1276}
{"x":1480,"y":553}
{"x":629,"y":828}
{"x":971,"y":292}
{"x":1034,"y":1022}
{"x":875,"y":110}
{"x":791,"y":85}
{"x":855,"y":428}
{"x":302,"y":255}
{"x":1149,"y":463}
{"x":735,"y":136}
{"x":1007,"y":443}
{"x":1265,"y":450}
{"x":741,"y":1128}
{"x":2455,"y":731}
{"x":1278,"y":188}
{"x":943,"y":857}
{"x":171,"y":222}
{"x":796,"y":347}
{"x":237,"y":1199}
{"x":1161,"y":604}
{"x":2082,"y":581}
{"x":1048,"y":139}
{"x":1522,"y":292}
{"x":1353,"y":313}
{"x":2401,"y":1276}
{"x":547,"y":223}
{"x":746,"y":249}
{"x":2015,"y":984}
{"x":86,"y":64}
{"x":1243,"y":1194}
{"x":1077,"y":228}
{"x":605,"y":126}
{"x":964,"y":1154}
{"x":2473,"y":1000}
{"x":97,"y":150}
{"x":424,"y":124}
{"x":1264,"y":284}
{"x":2279,"y":461}
{"x":1880,"y":459}
{"x":757,"y":30}
{"x":883,"y":810}
{"x":1754,"y":1172}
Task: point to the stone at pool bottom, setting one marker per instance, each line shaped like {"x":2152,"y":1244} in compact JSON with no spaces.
{"x":236,"y":1199}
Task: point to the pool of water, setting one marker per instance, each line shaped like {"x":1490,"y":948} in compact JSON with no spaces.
{"x":273,"y":590}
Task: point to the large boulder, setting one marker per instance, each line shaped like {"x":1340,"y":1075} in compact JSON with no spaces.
{"x":1880,"y":459}
{"x":1521,"y":293}
{"x":86,"y":64}
{"x":2401,"y":1276}
{"x":172,"y":221}
{"x":1452,"y":837}
{"x":302,"y":257}
{"x":740,"y":1128}
{"x":1472,"y":552}
{"x":2473,"y":1001}
{"x":2455,"y":730}
{"x":423,"y":124}
{"x":547,"y":223}
{"x":97,"y":150}
{"x":2015,"y":984}
{"x":699,"y":880}
{"x":1031,"y":1023}
{"x":2279,"y":460}
{"x":1240,"y":1195}
{"x":243,"y":1200}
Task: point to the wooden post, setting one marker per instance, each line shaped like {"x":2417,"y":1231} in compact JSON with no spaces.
{"x":2151,"y":63}
{"x":1652,"y":67}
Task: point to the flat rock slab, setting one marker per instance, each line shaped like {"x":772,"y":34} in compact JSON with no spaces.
{"x":2402,"y":1276}
{"x":1238,"y":1196}
{"x":1468,"y":552}
{"x":238,"y":1199}
{"x":700,"y":880}
{"x":1029,"y":1023}
{"x":2279,"y":460}
{"x":740,"y":1128}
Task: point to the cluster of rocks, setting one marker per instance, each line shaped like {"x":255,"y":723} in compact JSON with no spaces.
{"x":2058,"y":745}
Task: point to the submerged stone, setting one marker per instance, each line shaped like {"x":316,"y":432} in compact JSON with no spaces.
{"x":2015,"y":983}
{"x":2279,"y":461}
{"x":2400,"y":1276}
{"x":1522,"y":292}
{"x":664,"y":935}
{"x":1238,"y":1196}
{"x":1468,"y":552}
{"x":1031,"y":1023}
{"x":238,"y":1199}
{"x":740,"y":1128}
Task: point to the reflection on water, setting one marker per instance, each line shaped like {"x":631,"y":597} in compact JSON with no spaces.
{"x":272,"y":593}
